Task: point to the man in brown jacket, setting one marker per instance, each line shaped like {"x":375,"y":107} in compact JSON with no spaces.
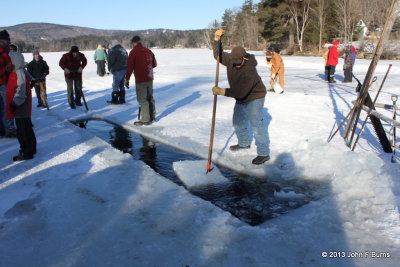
{"x":249,"y":91}
{"x":277,"y":67}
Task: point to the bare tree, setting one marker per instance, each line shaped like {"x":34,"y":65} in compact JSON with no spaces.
{"x":320,"y":12}
{"x":348,"y":10}
{"x":228,"y":24}
{"x":300,"y":10}
{"x":209,"y":33}
{"x":373,"y":12}
{"x":251,"y":31}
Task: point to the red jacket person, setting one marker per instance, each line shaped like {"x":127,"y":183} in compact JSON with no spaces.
{"x":7,"y":127}
{"x":333,"y":58}
{"x":19,"y":106}
{"x":141,"y":61}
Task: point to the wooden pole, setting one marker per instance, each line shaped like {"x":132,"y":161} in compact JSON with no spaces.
{"x":210,"y":147}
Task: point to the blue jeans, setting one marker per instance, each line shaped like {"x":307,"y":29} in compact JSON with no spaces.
{"x":5,"y":124}
{"x":118,"y":81}
{"x":251,"y":113}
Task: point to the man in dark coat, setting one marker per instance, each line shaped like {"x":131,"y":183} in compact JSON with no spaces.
{"x":249,"y":91}
{"x":141,"y":61}
{"x":73,"y":64}
{"x":117,"y":59}
{"x":38,"y":69}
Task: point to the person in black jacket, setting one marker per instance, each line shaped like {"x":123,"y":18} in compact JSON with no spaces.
{"x":117,"y":59}
{"x":39,"y":69}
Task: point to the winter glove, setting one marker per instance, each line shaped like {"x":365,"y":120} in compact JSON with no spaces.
{"x":80,"y":69}
{"x":32,"y":83}
{"x":218,"y":34}
{"x":67,"y":71}
{"x":273,"y":76}
{"x":218,"y":91}
{"x":126,"y":83}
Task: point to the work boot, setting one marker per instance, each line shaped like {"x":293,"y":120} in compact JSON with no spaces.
{"x":114,"y":98}
{"x":332,"y":80}
{"x":260,"y":160}
{"x":141,"y":123}
{"x":78,"y":102}
{"x":121,"y":97}
{"x":238,"y":147}
{"x":21,"y":156}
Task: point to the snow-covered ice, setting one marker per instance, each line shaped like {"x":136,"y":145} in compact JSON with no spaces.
{"x":80,"y":202}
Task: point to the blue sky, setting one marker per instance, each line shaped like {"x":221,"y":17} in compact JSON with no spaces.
{"x":123,"y":14}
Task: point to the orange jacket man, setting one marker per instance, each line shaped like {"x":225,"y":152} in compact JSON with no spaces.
{"x":277,"y":66}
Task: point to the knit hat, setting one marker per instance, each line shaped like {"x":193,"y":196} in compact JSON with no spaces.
{"x":4,"y":35}
{"x":237,"y":54}
{"x":352,"y":48}
{"x":74,"y":48}
{"x":336,"y":42}
{"x":114,"y":43}
{"x":35,"y":52}
{"x":135,"y":39}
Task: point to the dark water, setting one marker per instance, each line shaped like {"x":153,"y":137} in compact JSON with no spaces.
{"x":244,"y":197}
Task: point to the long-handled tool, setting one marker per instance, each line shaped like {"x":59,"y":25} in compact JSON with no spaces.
{"x":84,"y":100}
{"x":351,"y":112}
{"x":81,"y":91}
{"x":369,"y":113}
{"x":210,"y":147}
{"x":394,"y":99}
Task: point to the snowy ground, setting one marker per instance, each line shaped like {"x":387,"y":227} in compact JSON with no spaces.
{"x":80,"y":202}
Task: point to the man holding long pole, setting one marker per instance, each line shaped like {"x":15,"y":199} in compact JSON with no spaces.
{"x":249,"y":91}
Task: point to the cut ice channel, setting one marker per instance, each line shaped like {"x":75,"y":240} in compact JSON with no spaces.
{"x":246,"y":198}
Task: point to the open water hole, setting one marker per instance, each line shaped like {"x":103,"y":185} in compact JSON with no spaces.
{"x":244,"y":197}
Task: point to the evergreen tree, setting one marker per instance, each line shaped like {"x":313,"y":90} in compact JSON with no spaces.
{"x":274,"y":16}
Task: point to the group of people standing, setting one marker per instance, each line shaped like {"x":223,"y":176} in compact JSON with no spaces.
{"x":17,"y":78}
{"x":140,"y":61}
{"x":246,"y":86}
{"x":331,"y":57}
